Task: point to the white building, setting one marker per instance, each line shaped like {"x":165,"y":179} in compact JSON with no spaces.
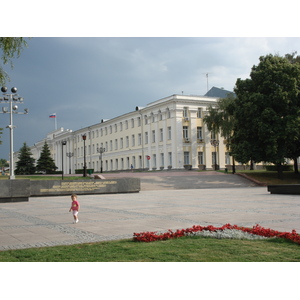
{"x":166,"y":134}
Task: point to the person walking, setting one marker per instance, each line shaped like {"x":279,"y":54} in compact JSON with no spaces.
{"x":75,"y":207}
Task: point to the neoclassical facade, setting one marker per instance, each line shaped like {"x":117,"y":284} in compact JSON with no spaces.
{"x":166,"y":134}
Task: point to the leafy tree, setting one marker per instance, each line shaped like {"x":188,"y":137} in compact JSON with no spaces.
{"x":25,"y":163}
{"x":11,"y":47}
{"x":45,"y":163}
{"x":220,"y":119}
{"x":3,"y":163}
{"x":267,"y":112}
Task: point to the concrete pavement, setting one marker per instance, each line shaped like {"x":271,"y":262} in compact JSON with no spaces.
{"x":168,"y":200}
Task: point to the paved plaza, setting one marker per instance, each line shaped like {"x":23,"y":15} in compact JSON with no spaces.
{"x":167,"y":200}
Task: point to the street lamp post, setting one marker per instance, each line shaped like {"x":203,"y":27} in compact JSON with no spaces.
{"x":101,"y":150}
{"x":13,"y":109}
{"x":63,"y":143}
{"x":84,"y":164}
{"x":70,"y":154}
{"x":215,"y":143}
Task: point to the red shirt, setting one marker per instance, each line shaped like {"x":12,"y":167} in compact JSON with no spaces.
{"x":75,"y":205}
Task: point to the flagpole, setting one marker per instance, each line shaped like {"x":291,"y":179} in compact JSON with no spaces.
{"x":55,"y":124}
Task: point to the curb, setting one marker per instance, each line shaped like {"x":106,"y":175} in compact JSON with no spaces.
{"x":253,"y":180}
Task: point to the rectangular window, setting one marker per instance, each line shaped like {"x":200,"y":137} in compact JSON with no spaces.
{"x":169,"y":133}
{"x":162,"y":160}
{"x":132,"y":123}
{"x":161,"y":134}
{"x":199,"y":113}
{"x":186,"y":158}
{"x":133,"y":140}
{"x":146,"y":137}
{"x":200,"y":158}
{"x":154,"y":160}
{"x":185,"y":132}
{"x":170,"y":158}
{"x":199,"y":133}
{"x":153,"y":136}
{"x":185,"y":112}
{"x":116,"y":144}
{"x":139,"y":121}
{"x":127,"y":141}
{"x":139,"y":139}
{"x":121,"y":143}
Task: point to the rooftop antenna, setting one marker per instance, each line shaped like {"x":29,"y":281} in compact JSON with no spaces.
{"x":206,"y":74}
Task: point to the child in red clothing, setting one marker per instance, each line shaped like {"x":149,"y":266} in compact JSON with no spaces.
{"x":75,"y":207}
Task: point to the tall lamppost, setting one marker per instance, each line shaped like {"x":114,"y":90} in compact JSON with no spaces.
{"x":63,"y":143}
{"x":215,"y":143}
{"x":101,"y":150}
{"x":13,"y":109}
{"x":70,"y":154}
{"x":84,"y":164}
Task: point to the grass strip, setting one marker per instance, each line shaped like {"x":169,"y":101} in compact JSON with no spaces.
{"x":184,"y":249}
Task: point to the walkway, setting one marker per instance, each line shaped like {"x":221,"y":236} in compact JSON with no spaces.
{"x":168,"y":200}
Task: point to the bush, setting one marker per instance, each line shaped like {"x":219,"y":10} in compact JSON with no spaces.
{"x":275,"y":168}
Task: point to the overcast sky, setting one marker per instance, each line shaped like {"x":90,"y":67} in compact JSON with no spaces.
{"x":131,"y":54}
{"x":84,"y":80}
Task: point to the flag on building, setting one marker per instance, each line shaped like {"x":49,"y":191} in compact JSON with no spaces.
{"x":52,"y":115}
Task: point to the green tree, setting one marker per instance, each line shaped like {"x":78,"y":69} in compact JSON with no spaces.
{"x":11,"y":47}
{"x":267,"y":112}
{"x":25,"y":163}
{"x":219,"y":120}
{"x":45,"y":163}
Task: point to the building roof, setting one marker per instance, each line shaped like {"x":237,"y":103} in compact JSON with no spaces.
{"x":217,"y":92}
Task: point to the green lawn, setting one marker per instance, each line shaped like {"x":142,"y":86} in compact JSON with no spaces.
{"x":272,"y":177}
{"x":185,"y":249}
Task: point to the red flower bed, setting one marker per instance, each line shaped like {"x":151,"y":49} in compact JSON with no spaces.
{"x":257,"y":229}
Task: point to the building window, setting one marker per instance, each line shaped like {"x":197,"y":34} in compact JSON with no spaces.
{"x":146,"y":119}
{"x":116,"y":127}
{"x":105,"y":130}
{"x":154,"y":160}
{"x":169,"y":133}
{"x":161,"y":134}
{"x":110,"y":145}
{"x":139,"y":139}
{"x":126,"y":124}
{"x":199,"y":133}
{"x":153,"y":136}
{"x":116,"y":144}
{"x":200,"y":158}
{"x":162,"y":160}
{"x":227,"y":158}
{"x":185,"y":132}
{"x":168,"y":113}
{"x":121,"y":126}
{"x":133,"y":140}
{"x":213,"y":135}
{"x":153,"y":118}
{"x":185,"y":112}
{"x":110,"y":129}
{"x":214,"y":158}
{"x":170,"y":158}
{"x":132,"y":123}
{"x":139,"y":121}
{"x":127,"y":141}
{"x":121,"y":143}
{"x":186,"y":158}
{"x":159,"y":115}
{"x":199,"y":113}
{"x":146,"y":137}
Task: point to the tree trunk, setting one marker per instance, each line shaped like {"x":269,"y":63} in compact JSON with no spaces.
{"x":296,"y":170}
{"x":280,"y":171}
{"x":233,"y":165}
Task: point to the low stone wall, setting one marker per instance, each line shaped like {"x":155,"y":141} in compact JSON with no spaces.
{"x":21,"y":190}
{"x":289,"y":189}
{"x":14,"y":190}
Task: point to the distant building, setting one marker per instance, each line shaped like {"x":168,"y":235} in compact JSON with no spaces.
{"x":218,"y":93}
{"x":166,"y":134}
